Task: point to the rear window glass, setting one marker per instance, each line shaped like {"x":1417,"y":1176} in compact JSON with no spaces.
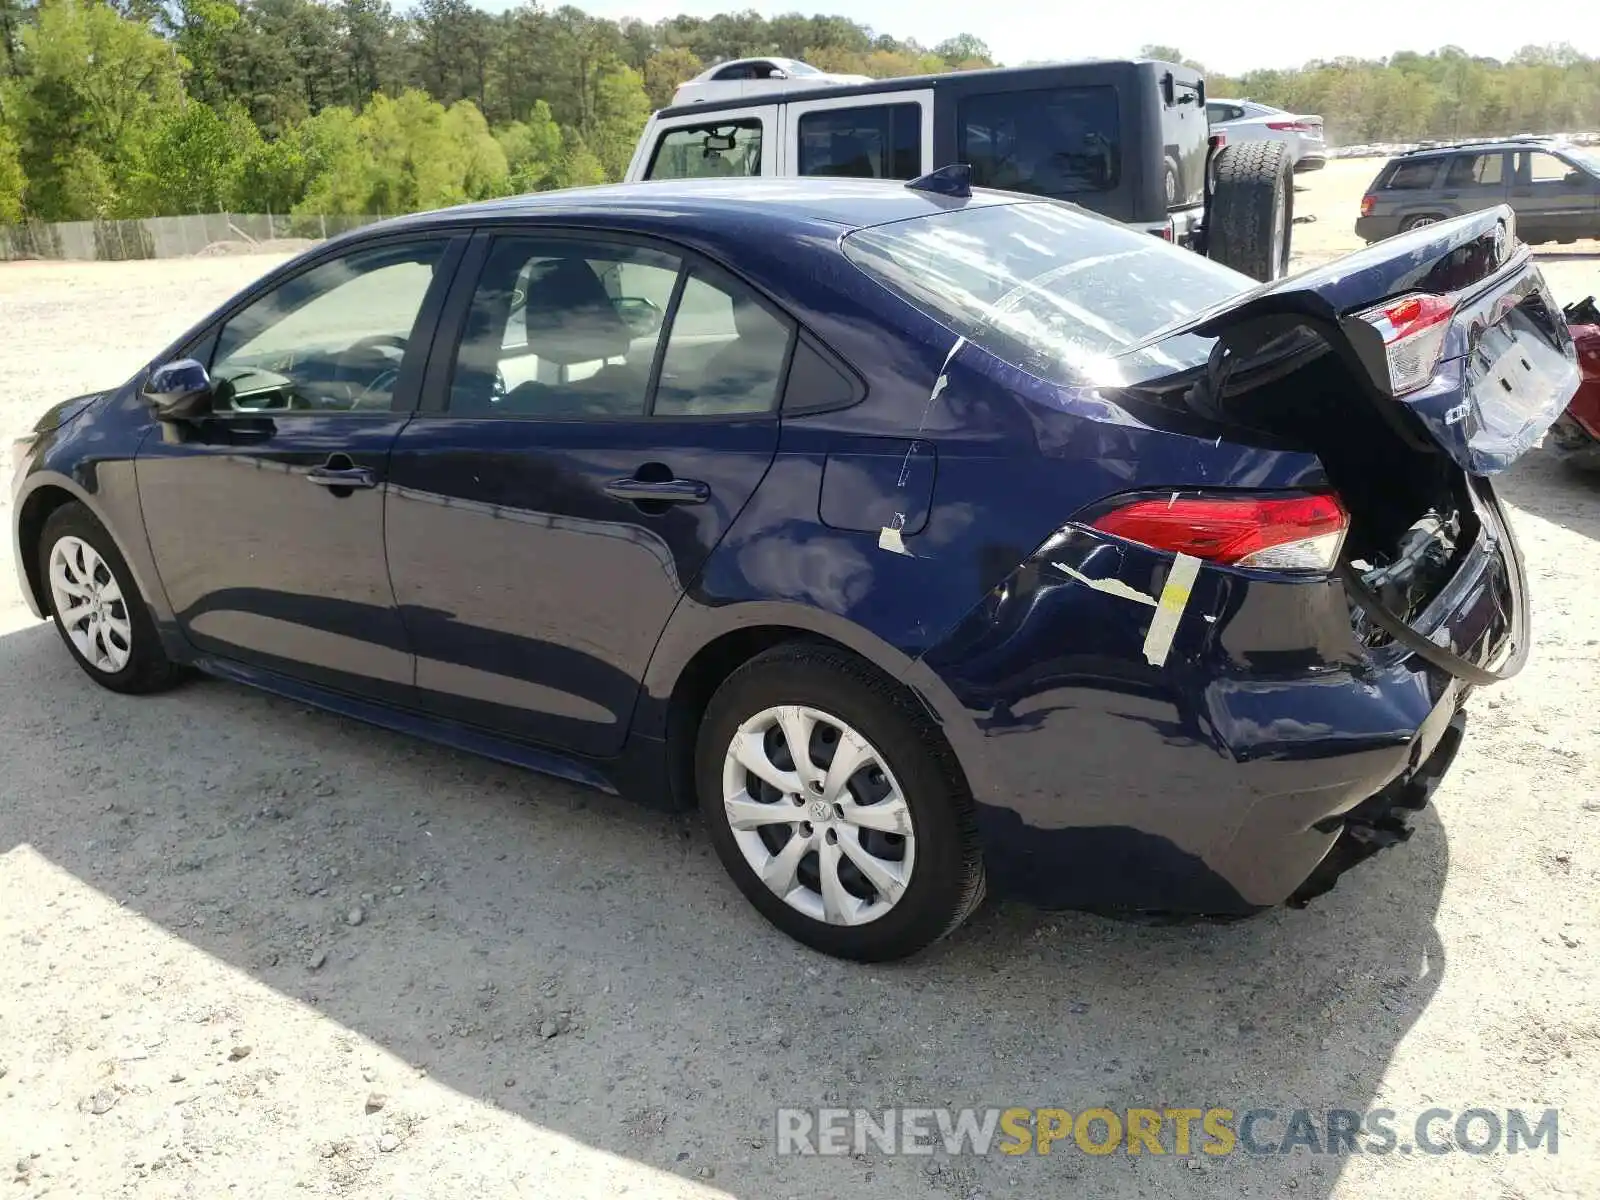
{"x":880,"y":142}
{"x":1412,"y":176}
{"x":708,"y":151}
{"x":1047,"y":141}
{"x":1049,"y":288}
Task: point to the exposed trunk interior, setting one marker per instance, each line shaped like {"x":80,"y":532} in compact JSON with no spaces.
{"x":1410,"y":515}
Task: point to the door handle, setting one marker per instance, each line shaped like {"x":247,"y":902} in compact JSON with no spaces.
{"x":343,"y":477}
{"x":659,"y":491}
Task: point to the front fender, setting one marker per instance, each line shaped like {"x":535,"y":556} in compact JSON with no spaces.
{"x":90,"y":460}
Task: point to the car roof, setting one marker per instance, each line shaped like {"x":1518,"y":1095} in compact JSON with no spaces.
{"x":775,"y":206}
{"x":1489,"y":144}
{"x":1044,"y":72}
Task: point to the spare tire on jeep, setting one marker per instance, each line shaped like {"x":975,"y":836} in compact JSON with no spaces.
{"x":1252,"y":209}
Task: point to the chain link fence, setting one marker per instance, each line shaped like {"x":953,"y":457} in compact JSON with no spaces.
{"x":171,"y":237}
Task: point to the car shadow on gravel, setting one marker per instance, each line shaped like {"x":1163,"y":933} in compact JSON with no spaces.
{"x":585,"y":964}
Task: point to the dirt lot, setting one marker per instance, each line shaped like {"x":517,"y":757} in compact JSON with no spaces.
{"x":246,"y":948}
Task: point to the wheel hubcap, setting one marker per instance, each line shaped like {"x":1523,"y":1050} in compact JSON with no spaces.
{"x":90,"y":605}
{"x":818,"y":815}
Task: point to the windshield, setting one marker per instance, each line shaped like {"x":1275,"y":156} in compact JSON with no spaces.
{"x":1050,"y":288}
{"x":1585,"y":157}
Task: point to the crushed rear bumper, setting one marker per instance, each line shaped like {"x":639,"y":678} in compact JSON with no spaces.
{"x":1382,"y":820}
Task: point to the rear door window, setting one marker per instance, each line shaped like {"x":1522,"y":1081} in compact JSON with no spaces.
{"x":1048,"y":141}
{"x":708,"y":151}
{"x":1412,"y":176}
{"x":879,"y":142}
{"x":1476,"y":170}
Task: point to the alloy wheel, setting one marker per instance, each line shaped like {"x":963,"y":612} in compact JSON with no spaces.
{"x":818,"y":815}
{"x":90,"y":605}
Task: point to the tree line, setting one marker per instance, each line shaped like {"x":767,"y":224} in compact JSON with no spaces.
{"x":1412,"y":97}
{"x":134,"y":108}
{"x":158,"y":107}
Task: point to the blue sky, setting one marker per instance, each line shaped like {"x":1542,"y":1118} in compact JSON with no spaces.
{"x":1232,"y":36}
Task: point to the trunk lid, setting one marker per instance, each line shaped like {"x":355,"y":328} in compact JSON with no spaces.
{"x":1503,"y":366}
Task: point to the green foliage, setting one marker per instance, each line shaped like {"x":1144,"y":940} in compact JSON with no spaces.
{"x":577,"y":166}
{"x":13,"y":183}
{"x":194,"y":162}
{"x":532,"y":149}
{"x":620,"y":110}
{"x":92,"y":89}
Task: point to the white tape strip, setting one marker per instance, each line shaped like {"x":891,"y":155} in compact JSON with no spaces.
{"x":1174,"y":596}
{"x":1111,"y":587}
{"x":889,"y":537}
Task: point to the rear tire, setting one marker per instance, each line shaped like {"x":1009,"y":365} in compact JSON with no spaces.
{"x":911,"y":871}
{"x":1420,"y":220}
{"x":1252,"y":209}
{"x":97,"y":608}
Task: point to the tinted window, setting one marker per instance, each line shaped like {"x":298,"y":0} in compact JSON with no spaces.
{"x":331,"y":339}
{"x":1048,"y":288}
{"x":1223,"y":112}
{"x":708,"y":151}
{"x":883,"y":142}
{"x":725,"y":354}
{"x":1412,"y":176}
{"x":1476,"y":170}
{"x":1049,"y":141}
{"x":563,"y":329}
{"x":738,"y":71}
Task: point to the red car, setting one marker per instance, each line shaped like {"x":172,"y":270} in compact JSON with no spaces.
{"x":1576,"y":435}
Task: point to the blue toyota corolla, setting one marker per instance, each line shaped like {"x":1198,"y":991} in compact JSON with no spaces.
{"x":921,"y":537}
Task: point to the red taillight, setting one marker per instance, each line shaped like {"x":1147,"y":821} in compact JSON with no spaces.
{"x":1289,"y":126}
{"x":1413,"y":329}
{"x":1368,"y":203}
{"x":1296,"y":532}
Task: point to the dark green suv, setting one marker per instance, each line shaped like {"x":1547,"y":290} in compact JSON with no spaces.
{"x":1553,"y":187}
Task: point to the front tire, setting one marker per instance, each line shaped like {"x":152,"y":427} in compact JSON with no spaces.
{"x":97,"y":608}
{"x":870,"y":848}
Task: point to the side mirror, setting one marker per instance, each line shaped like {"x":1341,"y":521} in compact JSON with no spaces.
{"x":179,"y":390}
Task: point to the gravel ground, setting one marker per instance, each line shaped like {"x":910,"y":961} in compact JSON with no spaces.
{"x":247,"y":948}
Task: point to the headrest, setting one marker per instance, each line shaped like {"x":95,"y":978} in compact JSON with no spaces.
{"x":568,"y":315}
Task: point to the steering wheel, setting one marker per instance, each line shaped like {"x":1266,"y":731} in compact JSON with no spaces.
{"x":363,"y":355}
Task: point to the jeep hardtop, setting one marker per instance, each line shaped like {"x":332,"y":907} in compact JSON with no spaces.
{"x":1127,"y":139}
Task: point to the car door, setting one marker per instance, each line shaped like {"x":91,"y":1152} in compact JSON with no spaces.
{"x":1550,"y":198}
{"x":607,"y":411}
{"x":890,"y":137}
{"x":265,"y":517}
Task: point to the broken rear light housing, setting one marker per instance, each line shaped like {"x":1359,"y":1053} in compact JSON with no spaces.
{"x":1413,"y":329}
{"x":1291,"y":531}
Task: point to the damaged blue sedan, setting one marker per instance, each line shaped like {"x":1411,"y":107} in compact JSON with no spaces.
{"x":926,"y":539}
